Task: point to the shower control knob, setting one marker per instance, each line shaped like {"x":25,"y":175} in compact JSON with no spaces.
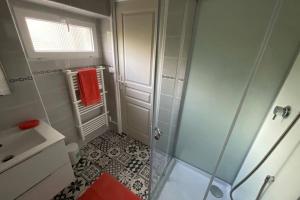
{"x":157,"y":133}
{"x":284,"y":112}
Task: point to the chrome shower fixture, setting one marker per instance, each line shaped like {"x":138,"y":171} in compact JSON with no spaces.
{"x":284,"y":112}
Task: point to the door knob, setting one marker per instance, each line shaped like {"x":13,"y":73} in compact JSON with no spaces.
{"x":157,"y":133}
{"x":121,"y":81}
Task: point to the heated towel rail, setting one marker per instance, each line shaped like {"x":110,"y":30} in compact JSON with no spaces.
{"x":85,"y":123}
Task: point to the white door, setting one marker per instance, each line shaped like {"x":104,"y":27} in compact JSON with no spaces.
{"x":136,"y":43}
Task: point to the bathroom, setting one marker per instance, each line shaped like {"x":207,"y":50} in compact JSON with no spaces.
{"x":149,"y":99}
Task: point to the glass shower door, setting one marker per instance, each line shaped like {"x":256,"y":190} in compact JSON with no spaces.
{"x":175,"y":30}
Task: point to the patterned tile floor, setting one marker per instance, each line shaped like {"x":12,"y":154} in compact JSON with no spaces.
{"x":120,"y":155}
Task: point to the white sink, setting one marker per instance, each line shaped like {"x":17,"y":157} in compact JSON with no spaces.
{"x":17,"y":145}
{"x":34,"y":163}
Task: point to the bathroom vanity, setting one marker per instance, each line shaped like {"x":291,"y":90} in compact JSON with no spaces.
{"x":34,"y":163}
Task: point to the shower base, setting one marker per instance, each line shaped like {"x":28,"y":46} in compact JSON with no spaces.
{"x":189,"y":183}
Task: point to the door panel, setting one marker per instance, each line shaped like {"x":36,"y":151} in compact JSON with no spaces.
{"x":138,"y":120}
{"x":139,"y":95}
{"x":135,"y":31}
{"x":135,"y":101}
{"x":138,"y":40}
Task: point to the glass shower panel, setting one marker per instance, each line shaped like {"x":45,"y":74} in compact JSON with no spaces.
{"x":227,"y":43}
{"x":279,"y":49}
{"x":175,"y":28}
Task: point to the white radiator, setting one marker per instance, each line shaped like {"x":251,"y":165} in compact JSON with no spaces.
{"x":87,"y":127}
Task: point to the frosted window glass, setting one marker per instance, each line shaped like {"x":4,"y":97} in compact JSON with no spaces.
{"x":50,"y":36}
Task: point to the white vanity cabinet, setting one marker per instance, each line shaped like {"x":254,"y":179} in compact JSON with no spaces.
{"x":41,"y":175}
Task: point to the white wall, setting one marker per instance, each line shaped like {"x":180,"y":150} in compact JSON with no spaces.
{"x":24,"y":102}
{"x":275,"y":165}
{"x":95,"y":6}
{"x":288,"y":175}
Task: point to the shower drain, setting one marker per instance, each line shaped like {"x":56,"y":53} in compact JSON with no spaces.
{"x":216,"y":191}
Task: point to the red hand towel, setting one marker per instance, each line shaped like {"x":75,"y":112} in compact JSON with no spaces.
{"x":88,"y":86}
{"x":108,"y":188}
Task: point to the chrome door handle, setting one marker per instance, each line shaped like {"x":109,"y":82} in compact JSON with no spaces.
{"x":120,"y":79}
{"x":157,"y":133}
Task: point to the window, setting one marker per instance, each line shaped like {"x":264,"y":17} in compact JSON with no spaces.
{"x":47,"y":35}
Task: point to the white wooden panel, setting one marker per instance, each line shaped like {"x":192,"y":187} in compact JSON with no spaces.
{"x":136,"y":36}
{"x":138,"y":119}
{"x":138,"y":40}
{"x":138,"y":86}
{"x":138,"y":102}
{"x":140,"y":95}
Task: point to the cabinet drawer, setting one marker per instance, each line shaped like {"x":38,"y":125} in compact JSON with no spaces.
{"x":20,"y":178}
{"x":51,"y":185}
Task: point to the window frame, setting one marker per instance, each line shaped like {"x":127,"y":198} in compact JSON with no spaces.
{"x":21,"y":14}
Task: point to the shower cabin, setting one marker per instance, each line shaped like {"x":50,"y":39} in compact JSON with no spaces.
{"x":222,"y":67}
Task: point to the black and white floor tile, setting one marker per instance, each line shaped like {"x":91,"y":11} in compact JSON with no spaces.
{"x":120,"y":155}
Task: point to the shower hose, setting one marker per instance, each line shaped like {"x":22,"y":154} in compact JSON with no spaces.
{"x":265,"y":158}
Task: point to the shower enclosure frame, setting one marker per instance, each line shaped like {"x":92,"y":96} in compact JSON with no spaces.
{"x":162,"y":11}
{"x":161,"y":16}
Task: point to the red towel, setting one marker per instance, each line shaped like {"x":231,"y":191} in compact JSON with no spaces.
{"x":108,"y":188}
{"x":88,"y":86}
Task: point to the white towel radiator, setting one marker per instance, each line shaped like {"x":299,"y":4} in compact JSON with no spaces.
{"x":88,"y":126}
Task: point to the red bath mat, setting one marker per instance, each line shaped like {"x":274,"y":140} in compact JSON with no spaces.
{"x":106,"y":187}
